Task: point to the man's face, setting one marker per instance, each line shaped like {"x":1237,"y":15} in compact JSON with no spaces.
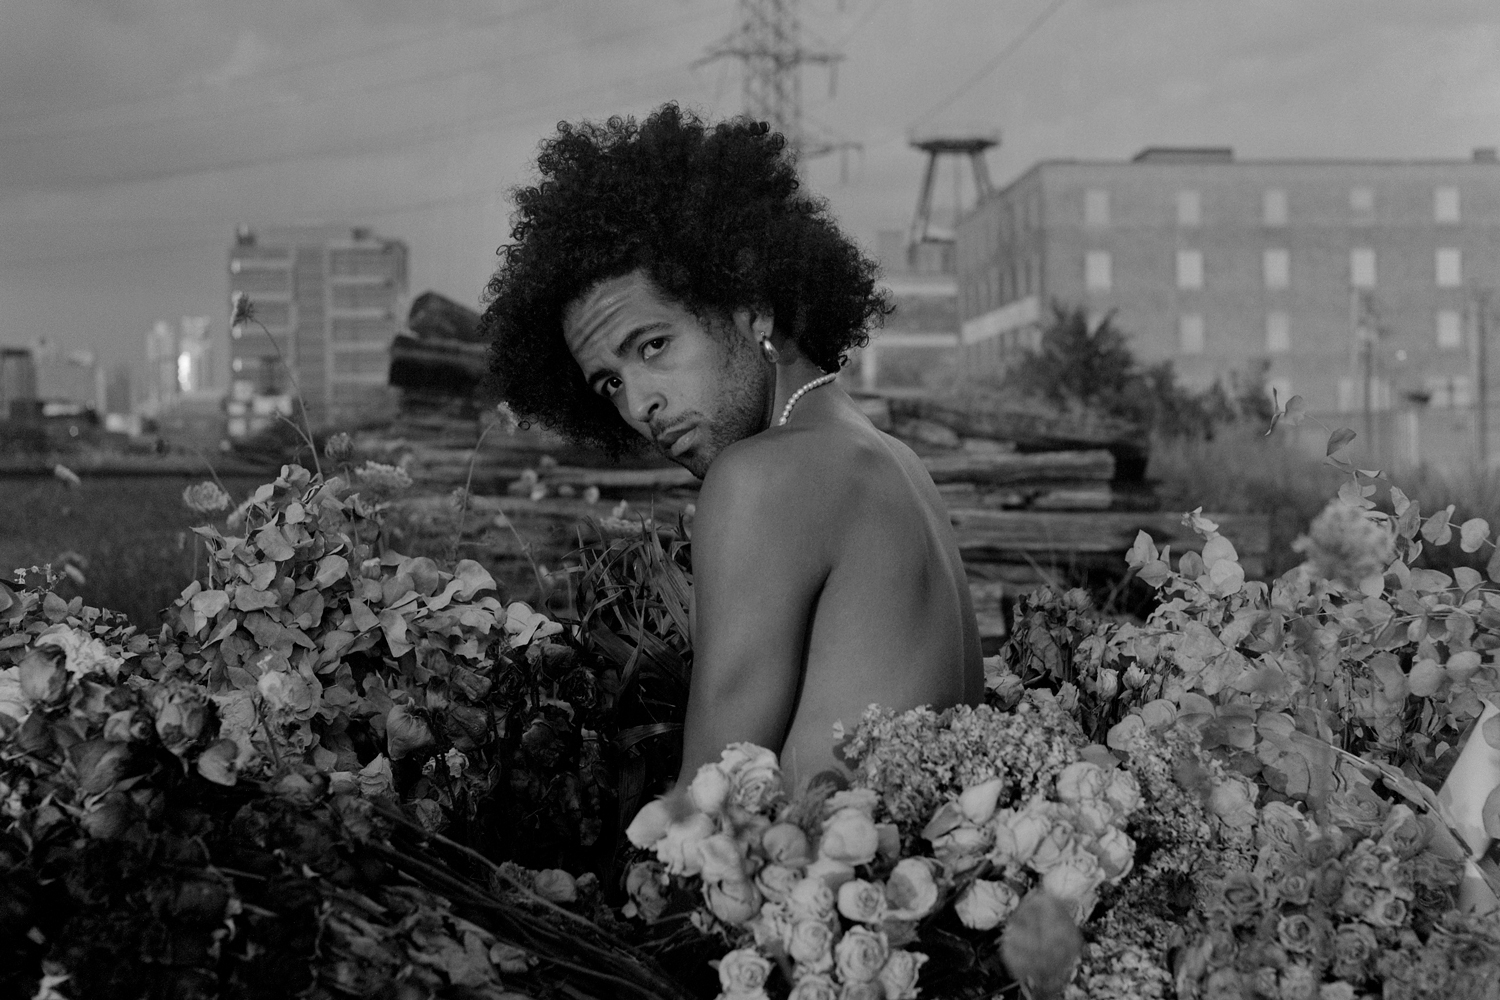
{"x":690,"y":390}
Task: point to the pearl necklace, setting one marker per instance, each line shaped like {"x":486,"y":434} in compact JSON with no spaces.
{"x":820,"y":380}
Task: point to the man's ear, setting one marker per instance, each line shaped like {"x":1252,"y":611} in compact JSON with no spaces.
{"x":754,"y":323}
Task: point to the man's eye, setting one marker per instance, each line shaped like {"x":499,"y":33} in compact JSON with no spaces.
{"x":653,"y":347}
{"x":609,"y":386}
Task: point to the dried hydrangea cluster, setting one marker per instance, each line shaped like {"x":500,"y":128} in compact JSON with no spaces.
{"x":916,"y":760}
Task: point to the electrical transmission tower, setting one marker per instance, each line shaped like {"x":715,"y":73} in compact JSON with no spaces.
{"x":768,"y":43}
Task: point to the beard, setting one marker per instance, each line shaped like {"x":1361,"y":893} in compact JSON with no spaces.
{"x":743,"y":383}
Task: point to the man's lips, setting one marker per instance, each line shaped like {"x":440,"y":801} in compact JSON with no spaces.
{"x":676,"y":440}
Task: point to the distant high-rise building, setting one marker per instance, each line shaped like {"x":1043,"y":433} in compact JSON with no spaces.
{"x":159,"y":386}
{"x":17,"y":378}
{"x":330,"y":296}
{"x":65,"y":378}
{"x":1348,"y":278}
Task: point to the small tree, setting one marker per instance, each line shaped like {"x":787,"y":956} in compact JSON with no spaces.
{"x":1083,"y":367}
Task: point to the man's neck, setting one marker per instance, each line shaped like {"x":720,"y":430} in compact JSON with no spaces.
{"x":790,"y":378}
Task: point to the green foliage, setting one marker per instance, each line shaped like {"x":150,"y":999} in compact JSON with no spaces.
{"x":1091,"y":367}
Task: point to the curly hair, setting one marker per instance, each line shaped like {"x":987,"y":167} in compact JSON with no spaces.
{"x":712,"y":214}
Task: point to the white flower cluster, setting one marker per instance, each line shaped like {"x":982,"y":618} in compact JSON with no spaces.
{"x":1073,"y":844}
{"x":811,"y":899}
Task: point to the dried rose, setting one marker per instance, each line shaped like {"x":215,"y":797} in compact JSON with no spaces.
{"x":1354,"y":947}
{"x":811,"y":899}
{"x":555,"y":885}
{"x":1297,"y":932}
{"x":786,"y":844}
{"x":985,"y":904}
{"x":733,"y":902}
{"x":205,"y":498}
{"x":899,"y":974}
{"x":1017,"y":836}
{"x":849,"y":836}
{"x":650,"y":824}
{"x":811,"y":945}
{"x":814,"y":987}
{"x":743,"y":971}
{"x":709,"y":789}
{"x":776,"y":882}
{"x":860,"y":955}
{"x":861,"y":901}
{"x":1243,"y":896}
{"x":406,"y":731}
{"x":721,"y":859}
{"x":680,"y":847}
{"x":911,"y":892}
{"x":646,"y":885}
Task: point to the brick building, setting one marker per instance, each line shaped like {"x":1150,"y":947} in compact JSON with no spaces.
{"x":1339,"y":274}
{"x":331,"y":296}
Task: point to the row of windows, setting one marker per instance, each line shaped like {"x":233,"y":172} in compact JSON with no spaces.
{"x":1445,"y":206}
{"x":1448,"y":332}
{"x":1276,"y":268}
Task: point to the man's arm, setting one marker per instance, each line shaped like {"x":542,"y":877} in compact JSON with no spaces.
{"x":759,"y":562}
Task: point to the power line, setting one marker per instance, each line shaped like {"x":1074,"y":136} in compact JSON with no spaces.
{"x":357,"y":90}
{"x":315,"y":62}
{"x":999,"y":57}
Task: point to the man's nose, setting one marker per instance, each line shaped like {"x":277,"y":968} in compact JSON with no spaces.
{"x":643,"y":403}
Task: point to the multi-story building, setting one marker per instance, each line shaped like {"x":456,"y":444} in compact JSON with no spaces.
{"x":17,"y":379}
{"x":917,"y":344}
{"x":330,"y":297}
{"x":1346,"y":277}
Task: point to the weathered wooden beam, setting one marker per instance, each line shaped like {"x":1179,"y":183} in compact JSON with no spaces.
{"x":1009,"y":468}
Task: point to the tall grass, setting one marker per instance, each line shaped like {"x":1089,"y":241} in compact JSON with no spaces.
{"x":1241,"y":471}
{"x":132,"y":534}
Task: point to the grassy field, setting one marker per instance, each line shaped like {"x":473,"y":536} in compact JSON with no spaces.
{"x":131,"y":534}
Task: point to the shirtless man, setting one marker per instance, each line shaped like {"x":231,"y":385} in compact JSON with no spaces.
{"x":668,"y":283}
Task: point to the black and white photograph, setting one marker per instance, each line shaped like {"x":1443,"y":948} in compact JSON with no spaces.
{"x":750,"y":500}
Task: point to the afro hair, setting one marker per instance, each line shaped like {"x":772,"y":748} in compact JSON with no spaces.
{"x":712,"y":214}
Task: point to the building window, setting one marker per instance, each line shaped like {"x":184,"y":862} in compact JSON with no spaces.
{"x":1277,"y":265}
{"x":1278,"y":333}
{"x":1362,"y":267}
{"x":1096,"y":271}
{"x":1450,"y":329}
{"x":1096,"y":207}
{"x":1190,"y":333}
{"x":1273,"y":207}
{"x":1189,"y":208}
{"x":1362,"y":203}
{"x":1189,"y":269}
{"x":1450,"y":268}
{"x":1444,"y":391}
{"x":1445,"y":204}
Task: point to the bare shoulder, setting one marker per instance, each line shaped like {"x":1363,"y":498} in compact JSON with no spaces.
{"x":819,"y":464}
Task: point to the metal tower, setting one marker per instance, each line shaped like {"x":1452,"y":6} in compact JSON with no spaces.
{"x":972,"y":146}
{"x":768,"y":43}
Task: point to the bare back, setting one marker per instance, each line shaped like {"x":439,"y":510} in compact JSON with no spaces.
{"x":861,"y":539}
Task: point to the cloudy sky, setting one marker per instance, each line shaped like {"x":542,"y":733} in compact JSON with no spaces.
{"x":136,"y":134}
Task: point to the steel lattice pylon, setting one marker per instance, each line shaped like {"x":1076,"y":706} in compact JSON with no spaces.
{"x":768,"y":44}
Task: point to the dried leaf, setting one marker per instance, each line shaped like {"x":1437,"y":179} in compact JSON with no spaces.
{"x":1338,"y":439}
{"x":1474,"y":533}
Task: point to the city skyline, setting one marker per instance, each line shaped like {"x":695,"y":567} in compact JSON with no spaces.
{"x":135,"y":136}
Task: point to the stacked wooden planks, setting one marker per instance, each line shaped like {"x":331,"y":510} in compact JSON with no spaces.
{"x":1033,"y":499}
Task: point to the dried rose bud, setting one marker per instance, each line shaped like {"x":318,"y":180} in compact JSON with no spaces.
{"x":339,"y":447}
{"x":406,"y":731}
{"x":1135,"y":677}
